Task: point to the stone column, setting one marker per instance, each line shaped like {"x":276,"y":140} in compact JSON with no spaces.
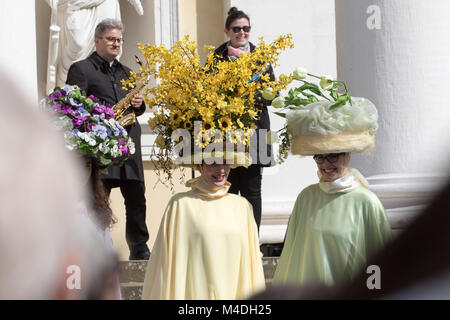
{"x":312,"y":26}
{"x":397,"y":54}
{"x":18,"y":54}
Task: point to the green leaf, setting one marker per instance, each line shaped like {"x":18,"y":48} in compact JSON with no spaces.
{"x":311,"y":98}
{"x":337,"y":84}
{"x":334,"y":94}
{"x":340,"y":101}
{"x":297,"y":101}
{"x":337,"y":105}
{"x":104,"y":160}
{"x":311,"y":87}
{"x":280,"y":114}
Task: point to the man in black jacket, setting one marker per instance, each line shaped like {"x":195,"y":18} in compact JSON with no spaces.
{"x":100,"y":75}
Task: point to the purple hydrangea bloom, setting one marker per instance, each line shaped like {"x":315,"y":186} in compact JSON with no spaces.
{"x":71,"y":111}
{"x":83,"y":112}
{"x":122,"y":146}
{"x":89,"y":126}
{"x":57,"y":95}
{"x":56,"y":108}
{"x":74,"y":102}
{"x":99,"y":109}
{"x":65,"y":109}
{"x":109,"y":112}
{"x":78,"y":121}
{"x":100,"y":131}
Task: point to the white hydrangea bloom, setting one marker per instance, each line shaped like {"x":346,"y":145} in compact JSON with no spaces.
{"x":104,"y":148}
{"x":317,"y":118}
{"x":115,"y":151}
{"x":131,"y":146}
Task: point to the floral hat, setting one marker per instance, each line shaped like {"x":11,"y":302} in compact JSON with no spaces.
{"x":89,"y":126}
{"x":320,"y":119}
{"x":211,"y":103}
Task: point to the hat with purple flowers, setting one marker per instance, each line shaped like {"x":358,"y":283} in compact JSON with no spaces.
{"x":89,"y":126}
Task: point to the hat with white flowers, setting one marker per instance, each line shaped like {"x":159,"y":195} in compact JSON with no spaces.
{"x":324,"y":118}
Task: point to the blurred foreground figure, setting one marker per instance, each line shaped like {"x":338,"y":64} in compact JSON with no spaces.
{"x":47,"y":249}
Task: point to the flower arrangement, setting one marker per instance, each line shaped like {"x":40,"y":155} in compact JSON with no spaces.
{"x":89,"y":126}
{"x":321,"y":112}
{"x":220,"y":94}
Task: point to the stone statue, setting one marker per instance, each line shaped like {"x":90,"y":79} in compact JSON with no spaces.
{"x":72,"y":29}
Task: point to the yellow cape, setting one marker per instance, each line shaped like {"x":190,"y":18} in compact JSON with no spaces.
{"x":207,"y":248}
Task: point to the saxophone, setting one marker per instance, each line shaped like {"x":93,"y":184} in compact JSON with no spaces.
{"x":121,"y":106}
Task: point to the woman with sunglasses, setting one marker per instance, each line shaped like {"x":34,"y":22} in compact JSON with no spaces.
{"x":338,"y":223}
{"x":247,"y":181}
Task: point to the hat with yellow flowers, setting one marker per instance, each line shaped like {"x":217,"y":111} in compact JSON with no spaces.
{"x":320,"y":119}
{"x":195,"y":106}
{"x":226,"y":152}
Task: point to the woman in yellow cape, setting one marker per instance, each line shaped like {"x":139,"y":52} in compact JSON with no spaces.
{"x":207,"y":245}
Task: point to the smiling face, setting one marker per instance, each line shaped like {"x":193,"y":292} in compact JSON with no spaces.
{"x":240,"y":38}
{"x":215,"y":175}
{"x":108,"y":46}
{"x":332,"y":166}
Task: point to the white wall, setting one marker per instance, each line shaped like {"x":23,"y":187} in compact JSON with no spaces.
{"x":18,"y":54}
{"x":312,"y":25}
{"x":403,"y":68}
{"x":401,"y":63}
{"x":137,"y":29}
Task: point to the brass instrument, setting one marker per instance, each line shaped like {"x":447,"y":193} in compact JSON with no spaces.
{"x":121,"y":106}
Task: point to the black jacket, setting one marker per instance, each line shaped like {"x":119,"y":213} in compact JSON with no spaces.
{"x":96,"y":77}
{"x":263,"y":121}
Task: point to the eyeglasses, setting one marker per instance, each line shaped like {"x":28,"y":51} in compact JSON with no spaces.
{"x":114,"y":40}
{"x":238,"y":29}
{"x":332,"y":157}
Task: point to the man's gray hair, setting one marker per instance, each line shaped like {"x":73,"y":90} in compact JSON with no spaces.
{"x":107,"y":24}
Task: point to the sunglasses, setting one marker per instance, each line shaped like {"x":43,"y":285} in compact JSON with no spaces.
{"x":332,"y":158}
{"x":114,"y":40}
{"x":238,"y":29}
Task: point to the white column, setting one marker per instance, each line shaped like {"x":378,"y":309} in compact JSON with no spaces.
{"x":158,"y":25}
{"x":397,"y":54}
{"x":312,"y":26}
{"x":166,"y":22}
{"x":18,"y":53}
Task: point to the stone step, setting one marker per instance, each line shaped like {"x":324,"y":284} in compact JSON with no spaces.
{"x":132,"y":274}
{"x":131,"y":290}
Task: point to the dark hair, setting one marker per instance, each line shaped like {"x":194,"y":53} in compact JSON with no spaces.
{"x":234,"y":14}
{"x":100,"y":199}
